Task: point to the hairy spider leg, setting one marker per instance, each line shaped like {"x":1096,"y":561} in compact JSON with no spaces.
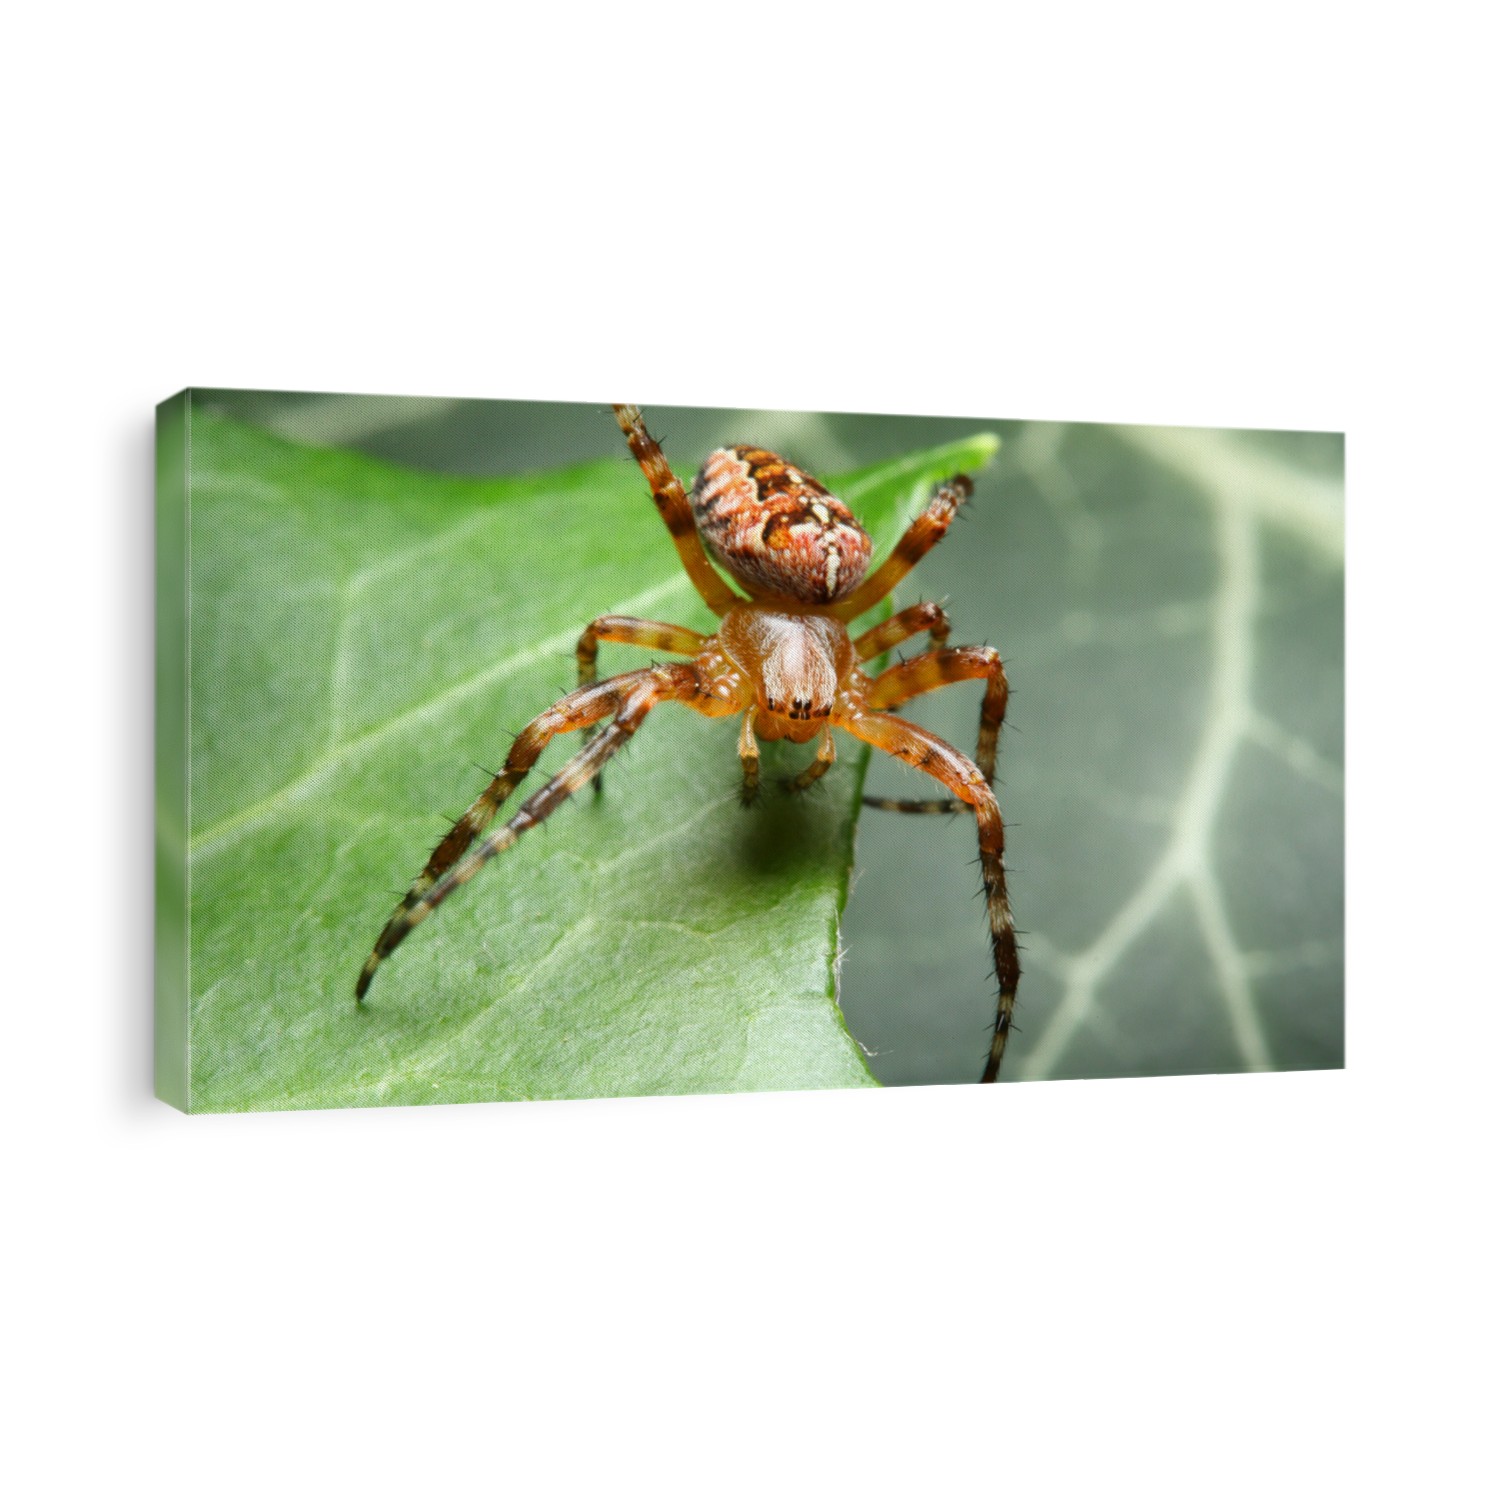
{"x":924,"y":750}
{"x":584,"y":706}
{"x":655,"y":635}
{"x":749,"y":758}
{"x":902,"y":626}
{"x":816,"y":768}
{"x":916,"y":542}
{"x":667,"y":492}
{"x":938,"y":669}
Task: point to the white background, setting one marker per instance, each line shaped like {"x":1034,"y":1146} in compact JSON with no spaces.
{"x":1270,"y":216}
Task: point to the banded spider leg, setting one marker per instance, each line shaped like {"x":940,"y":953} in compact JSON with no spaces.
{"x":971,"y":781}
{"x":655,"y":635}
{"x":926,"y":674}
{"x":629,"y":698}
{"x":920,"y":748}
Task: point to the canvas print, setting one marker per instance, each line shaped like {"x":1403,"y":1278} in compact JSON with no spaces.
{"x":519,"y":750}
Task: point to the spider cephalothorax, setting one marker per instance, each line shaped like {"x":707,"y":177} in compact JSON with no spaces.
{"x":782,"y":659}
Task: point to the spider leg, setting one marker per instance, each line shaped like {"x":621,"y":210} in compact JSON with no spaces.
{"x":749,"y":759}
{"x":585,"y":706}
{"x":924,"y":750}
{"x":918,"y":540}
{"x":816,"y":768}
{"x":672,"y":502}
{"x":629,"y":631}
{"x":655,"y":635}
{"x":902,"y":627}
{"x":937,"y":669}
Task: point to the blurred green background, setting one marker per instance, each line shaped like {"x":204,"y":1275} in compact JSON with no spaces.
{"x":1169,"y":602}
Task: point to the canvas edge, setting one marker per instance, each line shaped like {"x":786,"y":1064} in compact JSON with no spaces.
{"x":171,"y":1051}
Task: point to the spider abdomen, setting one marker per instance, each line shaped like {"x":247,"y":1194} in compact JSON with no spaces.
{"x":776,"y":529}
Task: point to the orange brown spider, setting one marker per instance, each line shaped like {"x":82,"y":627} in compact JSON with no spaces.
{"x":783,"y":659}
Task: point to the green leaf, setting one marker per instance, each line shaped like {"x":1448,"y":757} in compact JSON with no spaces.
{"x":1170,"y":605}
{"x":360,"y":637}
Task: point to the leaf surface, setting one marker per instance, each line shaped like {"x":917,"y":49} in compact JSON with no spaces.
{"x":363,"y":639}
{"x":1170,"y":605}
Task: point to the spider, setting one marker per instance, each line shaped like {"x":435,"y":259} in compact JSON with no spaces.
{"x":782,"y":660}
